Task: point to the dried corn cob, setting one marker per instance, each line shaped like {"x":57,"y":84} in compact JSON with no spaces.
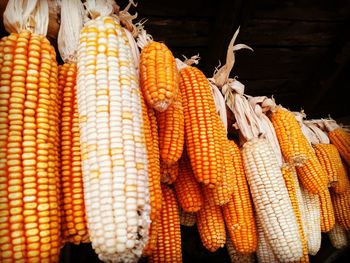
{"x":341,"y":206}
{"x":264,"y":251}
{"x":152,"y":237}
{"x":313,"y":222}
{"x":73,"y":213}
{"x":327,"y":212}
{"x":187,"y":218}
{"x":187,"y":188}
{"x":151,"y":134}
{"x":210,"y":223}
{"x":159,"y":75}
{"x":343,"y":183}
{"x":235,"y":256}
{"x":338,"y":237}
{"x":171,"y":131}
{"x":341,"y":139}
{"x":328,"y":156}
{"x":169,"y":235}
{"x":291,"y":181}
{"x":114,"y":153}
{"x":276,"y":214}
{"x":238,"y":212}
{"x":168,"y":173}
{"x":202,"y":143}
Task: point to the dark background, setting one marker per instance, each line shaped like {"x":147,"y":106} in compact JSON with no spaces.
{"x":301,"y":57}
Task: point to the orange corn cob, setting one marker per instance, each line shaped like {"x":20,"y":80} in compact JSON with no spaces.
{"x":210,"y":223}
{"x":171,"y":131}
{"x":343,"y":183}
{"x":29,"y":142}
{"x":187,"y":218}
{"x":290,"y":136}
{"x":159,"y":75}
{"x":168,"y":173}
{"x":168,"y":247}
{"x":152,"y":238}
{"x":187,"y":188}
{"x":238,"y":212}
{"x":291,"y":181}
{"x":341,"y":139}
{"x":74,"y":227}
{"x":235,"y":256}
{"x":311,"y":174}
{"x":151,"y":134}
{"x":327,"y":212}
{"x":328,"y":156}
{"x":201,"y":136}
{"x":341,"y":206}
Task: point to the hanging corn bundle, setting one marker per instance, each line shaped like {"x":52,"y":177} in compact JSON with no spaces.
{"x":263,"y":172}
{"x":113,"y":144}
{"x":74,"y":226}
{"x":29,"y":142}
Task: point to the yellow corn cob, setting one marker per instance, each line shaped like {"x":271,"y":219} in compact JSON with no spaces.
{"x":338,"y":237}
{"x":152,"y":238}
{"x":341,"y":206}
{"x":343,"y":183}
{"x":187,"y":218}
{"x":171,"y":131}
{"x":341,"y":139}
{"x":168,"y":173}
{"x":203,"y":146}
{"x":327,"y":212}
{"x":113,"y":145}
{"x":187,"y":188}
{"x":159,"y":75}
{"x":73,"y":213}
{"x":238,"y":212}
{"x":328,"y":156}
{"x":276,"y":214}
{"x":151,"y":134}
{"x":210,"y":223}
{"x":313,"y":221}
{"x":169,"y":235}
{"x":290,"y":136}
{"x":291,"y":181}
{"x":29,"y":193}
{"x":235,"y":256}
{"x":264,"y":252}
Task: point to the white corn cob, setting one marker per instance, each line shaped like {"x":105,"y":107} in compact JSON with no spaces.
{"x":235,"y":256}
{"x":271,"y":200}
{"x":264,"y":251}
{"x":114,"y":161}
{"x":187,"y":218}
{"x":313,"y":221}
{"x":338,"y":237}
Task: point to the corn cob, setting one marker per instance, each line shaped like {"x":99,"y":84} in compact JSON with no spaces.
{"x":235,"y":256}
{"x":114,"y":153}
{"x":327,"y":212}
{"x":159,"y":75}
{"x":152,"y":238}
{"x":222,"y":192}
{"x":238,"y":212}
{"x":343,"y":183}
{"x":151,"y":134}
{"x":186,"y":187}
{"x":29,"y":207}
{"x":187,"y":218}
{"x":338,"y":237}
{"x":168,"y":173}
{"x":292,"y":141}
{"x":341,"y":139}
{"x":201,"y":136}
{"x":276,"y":214}
{"x":291,"y":181}
{"x":313,"y":222}
{"x":341,"y":206}
{"x":171,"y":131}
{"x":169,"y":235}
{"x":210,"y":223}
{"x":264,"y":252}
{"x":329,"y":158}
{"x":73,"y":214}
